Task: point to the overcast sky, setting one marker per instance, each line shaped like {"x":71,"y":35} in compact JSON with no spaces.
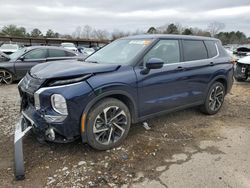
{"x":64,"y":16}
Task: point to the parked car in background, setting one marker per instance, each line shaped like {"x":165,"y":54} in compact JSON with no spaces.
{"x":9,"y":48}
{"x":3,"y":57}
{"x":242,"y":70}
{"x":127,"y":81}
{"x":88,"y":51}
{"x":69,"y":46}
{"x":17,"y":64}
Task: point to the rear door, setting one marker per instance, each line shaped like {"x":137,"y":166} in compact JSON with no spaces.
{"x":199,"y":67}
{"x":30,"y":59}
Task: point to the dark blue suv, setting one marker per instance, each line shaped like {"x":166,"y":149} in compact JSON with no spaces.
{"x":128,"y":81}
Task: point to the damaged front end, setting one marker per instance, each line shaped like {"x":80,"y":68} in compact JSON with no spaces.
{"x":52,"y":112}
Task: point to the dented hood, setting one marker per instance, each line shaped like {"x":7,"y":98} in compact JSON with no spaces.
{"x":69,"y":68}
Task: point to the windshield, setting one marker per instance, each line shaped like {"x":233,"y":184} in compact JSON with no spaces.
{"x":9,"y":46}
{"x":120,"y":51}
{"x":18,"y":53}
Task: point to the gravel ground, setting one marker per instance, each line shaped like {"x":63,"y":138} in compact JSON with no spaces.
{"x":159,"y":157}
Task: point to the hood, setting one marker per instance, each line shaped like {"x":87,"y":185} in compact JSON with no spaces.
{"x":60,"y":69}
{"x":245,"y":60}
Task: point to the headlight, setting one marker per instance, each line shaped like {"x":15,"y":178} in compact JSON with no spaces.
{"x":59,"y":104}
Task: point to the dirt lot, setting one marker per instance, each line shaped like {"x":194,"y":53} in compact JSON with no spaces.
{"x":182,"y":149}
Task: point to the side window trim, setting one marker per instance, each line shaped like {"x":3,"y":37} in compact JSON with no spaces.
{"x":194,"y":61}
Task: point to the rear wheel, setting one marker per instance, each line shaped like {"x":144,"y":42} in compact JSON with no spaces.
{"x":108,"y":124}
{"x":215,"y":99}
{"x":5,"y":77}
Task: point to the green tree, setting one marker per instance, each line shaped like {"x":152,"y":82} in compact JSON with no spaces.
{"x":187,"y":31}
{"x":172,"y":29}
{"x":13,"y":30}
{"x":36,"y":33}
{"x":51,"y":34}
{"x":152,"y":30}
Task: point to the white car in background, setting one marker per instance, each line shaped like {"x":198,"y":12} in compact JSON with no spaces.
{"x":69,"y":46}
{"x":9,"y":48}
{"x":88,"y":51}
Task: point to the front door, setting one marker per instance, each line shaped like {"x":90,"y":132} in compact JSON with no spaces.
{"x":166,"y":88}
{"x":29,"y":60}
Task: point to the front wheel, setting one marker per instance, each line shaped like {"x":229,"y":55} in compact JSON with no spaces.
{"x":108,"y":124}
{"x":5,"y":77}
{"x":215,"y":99}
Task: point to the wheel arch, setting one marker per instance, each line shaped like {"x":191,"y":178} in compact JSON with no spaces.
{"x":123,"y":96}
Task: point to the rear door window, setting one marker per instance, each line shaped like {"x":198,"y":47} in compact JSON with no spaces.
{"x":56,"y":53}
{"x":69,"y":54}
{"x":211,"y":48}
{"x":194,"y":50}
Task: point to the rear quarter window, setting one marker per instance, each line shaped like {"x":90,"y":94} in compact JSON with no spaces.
{"x":211,"y":48}
{"x":194,"y":50}
{"x":69,"y":54}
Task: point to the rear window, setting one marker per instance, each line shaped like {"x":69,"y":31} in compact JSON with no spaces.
{"x":194,"y":50}
{"x":211,"y":48}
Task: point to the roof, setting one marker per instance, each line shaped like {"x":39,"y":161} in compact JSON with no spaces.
{"x":169,"y":36}
{"x":48,"y":47}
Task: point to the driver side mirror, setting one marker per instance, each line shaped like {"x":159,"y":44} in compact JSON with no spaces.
{"x":153,"y":63}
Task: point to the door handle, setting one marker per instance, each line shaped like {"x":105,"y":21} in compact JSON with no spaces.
{"x":211,"y":63}
{"x":180,"y":68}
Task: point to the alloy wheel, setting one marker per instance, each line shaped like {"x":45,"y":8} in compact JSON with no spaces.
{"x":5,"y":77}
{"x":110,"y":125}
{"x":216,"y":98}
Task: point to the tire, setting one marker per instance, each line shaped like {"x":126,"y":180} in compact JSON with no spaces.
{"x":6,"y":77}
{"x":106,"y":134}
{"x":214,"y":99}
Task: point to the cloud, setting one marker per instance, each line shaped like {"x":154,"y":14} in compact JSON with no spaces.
{"x":64,"y":16}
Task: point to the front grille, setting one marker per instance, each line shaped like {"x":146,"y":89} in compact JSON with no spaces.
{"x":30,"y":84}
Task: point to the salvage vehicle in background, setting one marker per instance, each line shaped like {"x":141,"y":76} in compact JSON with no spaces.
{"x":19,"y":63}
{"x":128,"y":81}
{"x":9,"y":48}
{"x":88,"y":51}
{"x":242,"y":70}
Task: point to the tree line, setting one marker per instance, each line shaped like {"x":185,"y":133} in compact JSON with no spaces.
{"x":88,"y":32}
